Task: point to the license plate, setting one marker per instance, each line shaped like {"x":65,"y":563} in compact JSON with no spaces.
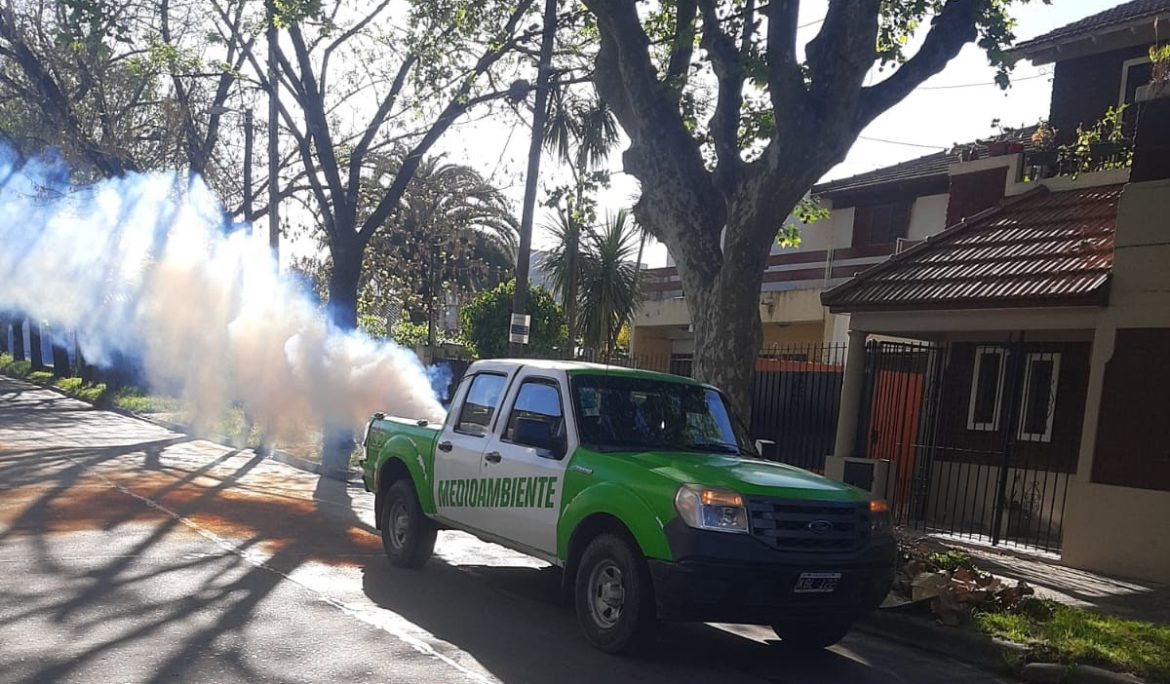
{"x":817,"y":583}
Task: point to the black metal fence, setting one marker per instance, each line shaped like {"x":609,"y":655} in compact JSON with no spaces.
{"x":796,"y":396}
{"x":981,"y":438}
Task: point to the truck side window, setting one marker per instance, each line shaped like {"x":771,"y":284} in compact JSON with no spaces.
{"x":537,"y":400}
{"x":480,"y":404}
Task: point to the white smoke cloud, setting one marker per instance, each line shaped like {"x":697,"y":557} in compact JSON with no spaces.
{"x":139,"y":265}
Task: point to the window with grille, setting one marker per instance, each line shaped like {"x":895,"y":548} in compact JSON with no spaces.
{"x":1038,"y":403}
{"x":987,"y":389}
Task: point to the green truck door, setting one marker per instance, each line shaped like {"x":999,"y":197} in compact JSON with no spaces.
{"x":460,"y":447}
{"x":524,"y":463}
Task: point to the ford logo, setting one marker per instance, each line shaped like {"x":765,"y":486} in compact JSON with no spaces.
{"x":820,"y":526}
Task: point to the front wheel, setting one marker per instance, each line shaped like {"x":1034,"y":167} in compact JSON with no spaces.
{"x":805,"y":636}
{"x":614,"y":596}
{"x":408,"y":536}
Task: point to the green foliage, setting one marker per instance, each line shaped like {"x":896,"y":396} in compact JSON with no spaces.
{"x":136,"y":401}
{"x":952,"y":560}
{"x":40,"y":377}
{"x":486,"y":319}
{"x":414,"y":335}
{"x":11,"y":367}
{"x":606,"y":278}
{"x":1160,"y":58}
{"x":1071,"y":635}
{"x":808,"y":211}
{"x":1081,"y":156}
{"x":994,"y":26}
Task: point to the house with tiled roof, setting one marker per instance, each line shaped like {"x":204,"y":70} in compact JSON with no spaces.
{"x":1008,"y":379}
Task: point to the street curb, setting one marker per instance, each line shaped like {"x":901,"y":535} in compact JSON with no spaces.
{"x":274,"y":454}
{"x":979,"y":650}
{"x":1052,"y":673}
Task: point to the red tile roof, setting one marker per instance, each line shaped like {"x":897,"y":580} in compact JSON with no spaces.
{"x":1038,"y":249}
{"x":1115,"y":17}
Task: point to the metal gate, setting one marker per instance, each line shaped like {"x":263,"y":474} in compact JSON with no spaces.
{"x":981,"y":438}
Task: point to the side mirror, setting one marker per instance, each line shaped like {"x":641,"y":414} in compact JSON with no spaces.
{"x":538,"y":433}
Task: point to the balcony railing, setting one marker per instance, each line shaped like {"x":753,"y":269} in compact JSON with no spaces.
{"x":788,"y":271}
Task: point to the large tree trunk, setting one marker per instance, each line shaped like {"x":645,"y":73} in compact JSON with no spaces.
{"x":338,"y":441}
{"x":343,"y":286}
{"x":728,"y":334}
{"x":5,"y":326}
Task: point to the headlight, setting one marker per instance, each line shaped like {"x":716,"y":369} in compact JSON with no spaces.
{"x":721,"y":510}
{"x":879,"y":516}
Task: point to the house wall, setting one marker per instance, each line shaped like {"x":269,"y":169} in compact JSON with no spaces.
{"x":1112,"y":528}
{"x":1084,"y":87}
{"x":971,"y":193}
{"x":804,"y":334}
{"x":956,"y":442}
{"x":929,"y":216}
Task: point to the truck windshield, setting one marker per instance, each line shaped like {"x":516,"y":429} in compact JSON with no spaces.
{"x":624,"y":413}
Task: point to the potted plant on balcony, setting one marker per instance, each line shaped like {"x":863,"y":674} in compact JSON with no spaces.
{"x":1159,"y":85}
{"x":1041,"y":160}
{"x":1110,"y":150}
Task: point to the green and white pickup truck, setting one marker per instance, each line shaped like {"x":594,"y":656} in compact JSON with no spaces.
{"x":645,"y":489}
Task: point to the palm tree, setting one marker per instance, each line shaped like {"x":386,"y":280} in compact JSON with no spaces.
{"x":607,"y":277}
{"x":582,"y":132}
{"x":454,"y":232}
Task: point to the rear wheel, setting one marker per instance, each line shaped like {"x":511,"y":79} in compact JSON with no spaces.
{"x":408,"y":536}
{"x":811,"y":636}
{"x":613,"y":595}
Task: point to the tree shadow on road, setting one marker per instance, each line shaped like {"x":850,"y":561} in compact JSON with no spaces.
{"x":110,"y":559}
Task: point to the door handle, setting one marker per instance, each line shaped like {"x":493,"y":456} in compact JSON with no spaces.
{"x":492,"y":457}
{"x":445,"y":446}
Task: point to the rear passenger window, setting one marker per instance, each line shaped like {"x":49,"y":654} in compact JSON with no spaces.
{"x":482,"y":400}
{"x":537,"y":400}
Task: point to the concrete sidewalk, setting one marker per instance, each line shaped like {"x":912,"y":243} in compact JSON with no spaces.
{"x":1124,"y":598}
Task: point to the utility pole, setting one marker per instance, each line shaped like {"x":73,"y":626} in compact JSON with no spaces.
{"x":273,"y":133}
{"x":520,"y":299}
{"x":248,"y":165}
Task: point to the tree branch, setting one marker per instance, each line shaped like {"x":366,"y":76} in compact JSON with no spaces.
{"x":953,"y":28}
{"x":785,"y":81}
{"x":728,"y":67}
{"x":353,"y":31}
{"x":842,"y":52}
{"x":358,"y":156}
{"x":458,"y":104}
{"x":682,"y":48}
{"x":316,"y":122}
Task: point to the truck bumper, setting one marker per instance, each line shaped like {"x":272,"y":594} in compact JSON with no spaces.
{"x":763,"y":591}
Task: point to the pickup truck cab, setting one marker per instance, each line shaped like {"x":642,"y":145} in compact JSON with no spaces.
{"x":645,"y":489}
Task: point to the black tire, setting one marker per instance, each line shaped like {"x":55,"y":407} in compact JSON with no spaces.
{"x":614,"y":595}
{"x":408,"y":536}
{"x":811,"y":636}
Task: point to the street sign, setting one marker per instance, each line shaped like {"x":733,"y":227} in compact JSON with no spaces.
{"x":518,"y":332}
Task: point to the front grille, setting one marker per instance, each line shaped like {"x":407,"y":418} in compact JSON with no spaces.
{"x":808,"y":526}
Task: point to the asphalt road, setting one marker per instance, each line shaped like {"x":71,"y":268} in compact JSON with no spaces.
{"x":129,"y":553}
